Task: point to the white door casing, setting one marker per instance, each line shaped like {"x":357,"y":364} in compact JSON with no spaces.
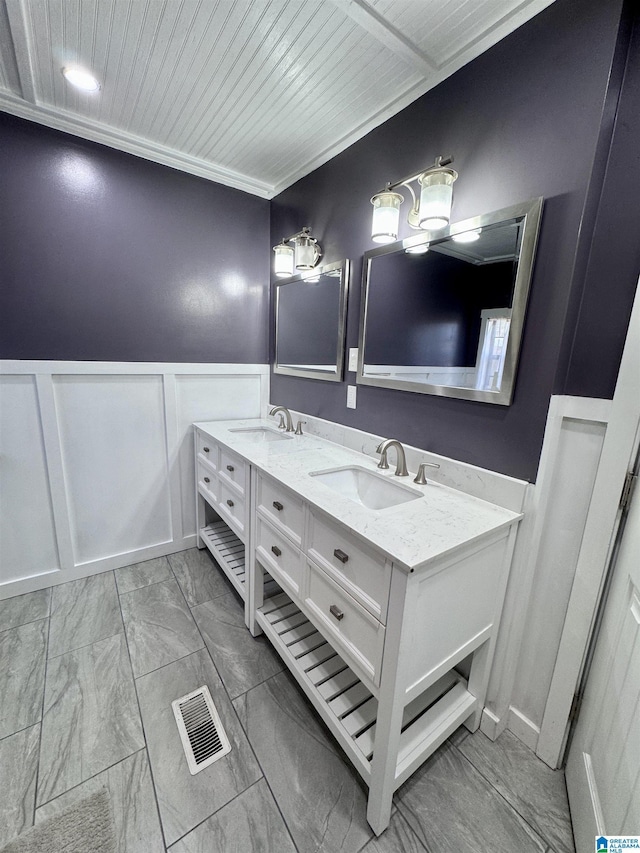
{"x":603,"y":769}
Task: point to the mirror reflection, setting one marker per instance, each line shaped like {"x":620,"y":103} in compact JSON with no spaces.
{"x":310,"y":323}
{"x":444,"y":316}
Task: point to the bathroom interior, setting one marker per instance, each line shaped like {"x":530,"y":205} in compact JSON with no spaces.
{"x":274,"y":441}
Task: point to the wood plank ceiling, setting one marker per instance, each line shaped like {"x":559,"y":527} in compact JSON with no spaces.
{"x":250,"y":93}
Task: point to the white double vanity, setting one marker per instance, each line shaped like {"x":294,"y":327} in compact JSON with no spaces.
{"x":383,"y":597}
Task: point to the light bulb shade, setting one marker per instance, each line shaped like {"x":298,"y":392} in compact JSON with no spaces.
{"x":467,"y":236}
{"x":283,"y":261}
{"x":386,"y":216}
{"x":436,"y":197}
{"x":307,"y":254}
{"x":417,"y":245}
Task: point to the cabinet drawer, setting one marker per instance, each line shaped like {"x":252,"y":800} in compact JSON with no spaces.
{"x":207,"y":483}
{"x":207,"y":449}
{"x":231,"y":508}
{"x":232,"y":469}
{"x":357,"y":633}
{"x":278,"y":556}
{"x":281,"y":507}
{"x":363,"y":573}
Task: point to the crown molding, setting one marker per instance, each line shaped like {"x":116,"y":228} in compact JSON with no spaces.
{"x":123,"y":141}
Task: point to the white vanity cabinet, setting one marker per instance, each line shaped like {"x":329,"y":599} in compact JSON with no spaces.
{"x":222,"y":484}
{"x":393,"y":655}
{"x":375,"y":646}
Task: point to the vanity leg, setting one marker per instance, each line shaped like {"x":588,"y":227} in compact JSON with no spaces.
{"x":253,"y":573}
{"x":479,"y":682}
{"x":200,"y":520}
{"x":383,"y":767}
{"x":393,"y":679}
{"x":255,"y":593}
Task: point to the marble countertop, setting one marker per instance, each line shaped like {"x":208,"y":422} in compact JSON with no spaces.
{"x":412,"y":534}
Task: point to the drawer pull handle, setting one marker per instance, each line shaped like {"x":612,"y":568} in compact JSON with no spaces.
{"x":276,"y":550}
{"x":230,"y":468}
{"x":206,"y":449}
{"x":229,"y":502}
{"x":335,"y":611}
{"x":207,"y":480}
{"x":278,"y":506}
{"x":340,"y":555}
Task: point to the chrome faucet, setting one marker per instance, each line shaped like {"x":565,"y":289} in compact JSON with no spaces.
{"x":274,"y":411}
{"x":401,"y":463}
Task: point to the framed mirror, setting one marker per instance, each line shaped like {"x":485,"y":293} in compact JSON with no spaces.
{"x":310,"y":313}
{"x":443,"y":314}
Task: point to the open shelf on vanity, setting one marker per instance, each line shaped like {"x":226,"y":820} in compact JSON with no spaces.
{"x":228,"y":551}
{"x":346,"y":705}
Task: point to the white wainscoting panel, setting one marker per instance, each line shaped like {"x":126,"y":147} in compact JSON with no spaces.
{"x":113,"y":441}
{"x":27,"y":532}
{"x":97,"y":461}
{"x":574,"y":436}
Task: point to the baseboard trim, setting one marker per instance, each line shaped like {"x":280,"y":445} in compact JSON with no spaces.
{"x":491,"y":725}
{"x":12,"y":588}
{"x":523,"y":728}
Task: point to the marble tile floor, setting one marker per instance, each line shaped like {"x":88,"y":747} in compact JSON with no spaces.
{"x":88,"y":671}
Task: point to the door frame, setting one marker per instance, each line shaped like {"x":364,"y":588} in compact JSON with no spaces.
{"x":603,"y":519}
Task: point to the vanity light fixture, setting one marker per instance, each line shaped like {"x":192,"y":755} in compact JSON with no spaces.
{"x":431,"y":209}
{"x":80,"y":79}
{"x":303,"y":255}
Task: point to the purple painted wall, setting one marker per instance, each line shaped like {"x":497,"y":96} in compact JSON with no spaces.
{"x":105,"y":256}
{"x":612,"y":257}
{"x":531,"y":117}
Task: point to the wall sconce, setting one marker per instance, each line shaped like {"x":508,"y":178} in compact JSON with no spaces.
{"x":431,"y":209}
{"x":303,"y":255}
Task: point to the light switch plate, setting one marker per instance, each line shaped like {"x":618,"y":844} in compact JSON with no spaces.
{"x":353,"y":358}
{"x":351,"y":396}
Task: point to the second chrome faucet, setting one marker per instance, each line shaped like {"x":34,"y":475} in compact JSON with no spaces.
{"x":401,"y":462}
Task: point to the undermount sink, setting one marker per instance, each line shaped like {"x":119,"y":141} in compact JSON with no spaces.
{"x":365,"y":487}
{"x":260,"y":434}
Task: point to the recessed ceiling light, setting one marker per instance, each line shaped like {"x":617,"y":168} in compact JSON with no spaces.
{"x":467,"y":236}
{"x":81,"y":79}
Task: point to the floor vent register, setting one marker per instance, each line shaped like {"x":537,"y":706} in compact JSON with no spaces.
{"x":203,"y":738}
